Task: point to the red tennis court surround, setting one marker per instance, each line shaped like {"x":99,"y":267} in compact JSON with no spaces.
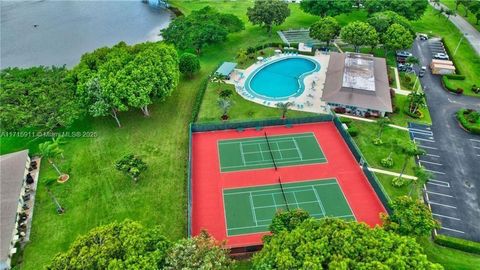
{"x":208,"y":182}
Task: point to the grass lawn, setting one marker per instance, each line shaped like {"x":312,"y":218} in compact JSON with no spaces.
{"x":97,"y":194}
{"x":451,"y":259}
{"x":242,"y":109}
{"x":400,"y":118}
{"x":407,"y":81}
{"x":461,"y":11}
{"x":391,"y":77}
{"x":466,"y":59}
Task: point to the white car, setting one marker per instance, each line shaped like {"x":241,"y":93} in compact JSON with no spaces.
{"x":441,"y":56}
{"x":422,"y":71}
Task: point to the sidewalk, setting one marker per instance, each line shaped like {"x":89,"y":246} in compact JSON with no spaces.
{"x":369,"y":120}
{"x":406,"y":176}
{"x":398,"y":90}
{"x":473,"y":36}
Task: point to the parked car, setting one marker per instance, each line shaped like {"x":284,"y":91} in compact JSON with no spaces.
{"x":422,"y":71}
{"x":441,"y":56}
{"x":404,"y":54}
{"x":422,"y":36}
{"x":405,"y":67}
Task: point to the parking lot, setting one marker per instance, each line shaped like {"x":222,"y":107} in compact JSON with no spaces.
{"x":439,"y":191}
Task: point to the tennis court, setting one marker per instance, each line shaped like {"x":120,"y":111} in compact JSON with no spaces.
{"x":251,"y":209}
{"x":269,"y":151}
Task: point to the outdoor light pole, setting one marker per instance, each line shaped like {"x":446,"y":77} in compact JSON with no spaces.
{"x":458,"y":45}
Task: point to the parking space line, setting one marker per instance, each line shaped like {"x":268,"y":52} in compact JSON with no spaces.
{"x":432,"y":155}
{"x":429,"y":133}
{"x":476,"y":147}
{"x":453,"y":230}
{"x":441,"y":204}
{"x":429,"y":162}
{"x":438,"y":183}
{"x":428,"y":147}
{"x":473,"y":140}
{"x":440,"y":194}
{"x":434,"y":171}
{"x":438,"y":215}
{"x":422,"y":139}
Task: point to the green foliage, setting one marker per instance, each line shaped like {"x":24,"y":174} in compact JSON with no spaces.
{"x":382,"y":20}
{"x":325,"y":29}
{"x":337,"y":244}
{"x":469,"y":119}
{"x":199,"y":252}
{"x":131,"y":166}
{"x":288,"y":220}
{"x":37,"y":97}
{"x":458,"y":243}
{"x":455,"y":77}
{"x":377,"y":141}
{"x":225,"y":93}
{"x":189,"y":64}
{"x":51,"y":150}
{"x":410,"y":217}
{"x":352,"y":130}
{"x":268,"y":12}
{"x":201,"y":27}
{"x":284,"y":106}
{"x":224,"y":104}
{"x":410,"y":9}
{"x":387,"y":162}
{"x":112,"y":80}
{"x":397,"y":37}
{"x":359,"y":34}
{"x":324,"y":8}
{"x":416,"y":102}
{"x":126,"y":245}
{"x":242,"y":56}
{"x":399,"y":182}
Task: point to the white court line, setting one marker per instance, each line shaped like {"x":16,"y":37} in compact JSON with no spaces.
{"x":440,"y":194}
{"x":434,"y":171}
{"x":438,"y":215}
{"x":428,"y":147}
{"x":438,"y":183}
{"x":441,"y":204}
{"x":453,"y":230}
{"x":261,"y":139}
{"x":319,"y":201}
{"x":432,"y":155}
{"x":242,"y":154}
{"x":422,"y":139}
{"x":253,"y":209}
{"x":307,"y":188}
{"x":474,"y":140}
{"x":298,"y":149}
{"x":429,"y":162}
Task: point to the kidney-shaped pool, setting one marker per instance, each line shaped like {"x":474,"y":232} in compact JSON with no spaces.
{"x":282,"y":78}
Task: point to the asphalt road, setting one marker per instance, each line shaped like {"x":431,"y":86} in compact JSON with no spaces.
{"x":453,"y":156}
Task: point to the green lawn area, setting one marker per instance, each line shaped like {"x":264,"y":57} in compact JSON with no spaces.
{"x":466,"y":59}
{"x":407,"y":81}
{"x":97,"y":194}
{"x":391,"y":76}
{"x":461,"y":12}
{"x":400,"y":118}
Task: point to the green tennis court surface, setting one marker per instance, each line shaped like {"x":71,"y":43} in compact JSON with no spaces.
{"x":251,"y":209}
{"x":254,"y":153}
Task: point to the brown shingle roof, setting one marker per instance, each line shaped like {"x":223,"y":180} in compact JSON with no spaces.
{"x":334,"y":90}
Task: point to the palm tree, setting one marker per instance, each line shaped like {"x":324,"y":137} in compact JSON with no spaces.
{"x":382,"y":123}
{"x":218,"y":79}
{"x":224,"y":104}
{"x":417,"y":101}
{"x":48,"y":182}
{"x":50,"y":151}
{"x":410,"y":150}
{"x":284,"y":106}
{"x":422,"y":177}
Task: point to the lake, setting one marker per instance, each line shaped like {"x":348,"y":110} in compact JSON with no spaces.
{"x":59,"y":32}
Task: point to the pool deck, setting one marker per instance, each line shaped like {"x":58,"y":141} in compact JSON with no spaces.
{"x":308,"y":101}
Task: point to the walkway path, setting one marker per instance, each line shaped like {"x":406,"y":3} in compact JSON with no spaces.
{"x":370,"y":121}
{"x":472,"y":35}
{"x":398,"y":90}
{"x":406,"y":176}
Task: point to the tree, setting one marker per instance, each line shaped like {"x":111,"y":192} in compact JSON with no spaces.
{"x":382,"y":123}
{"x":410,"y":217}
{"x":324,"y":8}
{"x":125,"y":245}
{"x":284,"y":106}
{"x":382,"y":20}
{"x":359,"y":34}
{"x":337,"y":244}
{"x":267,"y":13}
{"x":51,"y":150}
{"x":201,"y":27}
{"x":39,"y":97}
{"x":189,"y":64}
{"x":449,"y":13}
{"x":397,"y":37}
{"x":409,"y":150}
{"x":131,"y":166}
{"x":288,"y":220}
{"x":242,"y":56}
{"x":423,"y":176}
{"x":224,"y":104}
{"x":416,"y":101}
{"x":48,"y":182}
{"x":199,"y":252}
{"x":325,"y":29}
{"x":412,"y":60}
{"x":410,"y":9}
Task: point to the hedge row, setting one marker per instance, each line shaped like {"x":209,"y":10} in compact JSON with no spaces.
{"x":260,"y":47}
{"x":475,"y":129}
{"x":458,"y":243}
{"x":447,"y":85}
{"x":199,"y":99}
{"x":455,"y":77}
{"x":450,"y":53}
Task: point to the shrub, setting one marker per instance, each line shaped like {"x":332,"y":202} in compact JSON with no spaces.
{"x":377,"y":141}
{"x":459,"y":90}
{"x":346,"y":120}
{"x":251,"y":50}
{"x":387,"y":162}
{"x":189,"y":64}
{"x":463,"y":116}
{"x":198,"y":100}
{"x":340,"y":110}
{"x":353,"y":131}
{"x":392,"y":93}
{"x":455,"y":77}
{"x":225,"y":93}
{"x":398,"y":182}
{"x":458,"y":243}
{"x":475,"y":89}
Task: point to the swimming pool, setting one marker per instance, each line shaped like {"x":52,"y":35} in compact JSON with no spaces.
{"x":282,"y":78}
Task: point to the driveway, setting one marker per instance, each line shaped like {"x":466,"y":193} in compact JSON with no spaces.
{"x":453,"y":156}
{"x":473,"y":36}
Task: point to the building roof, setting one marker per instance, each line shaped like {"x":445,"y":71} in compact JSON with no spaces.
{"x":226,"y":68}
{"x":358,"y":80}
{"x":12,"y":173}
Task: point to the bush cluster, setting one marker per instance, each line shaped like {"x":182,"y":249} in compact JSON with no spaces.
{"x":387,"y":162}
{"x":469,"y":119}
{"x":448,"y":85}
{"x":399,"y":182}
{"x":458,"y":243}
